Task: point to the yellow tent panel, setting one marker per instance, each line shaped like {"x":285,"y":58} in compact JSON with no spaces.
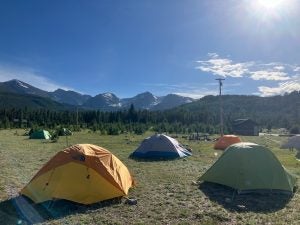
{"x":91,"y":176}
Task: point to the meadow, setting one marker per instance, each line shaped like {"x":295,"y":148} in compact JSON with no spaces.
{"x":167,"y":192}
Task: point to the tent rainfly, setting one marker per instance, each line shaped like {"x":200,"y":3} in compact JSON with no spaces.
{"x":250,"y":167}
{"x":40,"y":134}
{"x":160,"y":146}
{"x":82,"y":173}
{"x":225,"y":141}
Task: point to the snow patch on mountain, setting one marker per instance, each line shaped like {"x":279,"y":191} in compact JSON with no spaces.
{"x":108,"y":95}
{"x":156,"y":101}
{"x":116,"y":105}
{"x":21,"y":84}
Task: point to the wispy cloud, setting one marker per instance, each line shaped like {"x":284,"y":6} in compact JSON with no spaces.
{"x":269,"y":75}
{"x":283,"y":75}
{"x":223,"y":67}
{"x":29,"y":76}
{"x":227,"y":85}
{"x":191,"y":90}
{"x":283,"y":87}
{"x":279,"y":67}
{"x":213,"y":55}
{"x":297,"y":69}
{"x":196,"y":94}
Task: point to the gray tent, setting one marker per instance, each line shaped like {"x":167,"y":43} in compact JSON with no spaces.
{"x":160,"y":146}
{"x":293,"y":142}
{"x":64,"y":132}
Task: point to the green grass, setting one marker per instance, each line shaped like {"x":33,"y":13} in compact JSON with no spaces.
{"x":166,"y":191}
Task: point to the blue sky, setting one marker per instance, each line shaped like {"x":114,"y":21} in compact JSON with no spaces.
{"x":171,"y":46}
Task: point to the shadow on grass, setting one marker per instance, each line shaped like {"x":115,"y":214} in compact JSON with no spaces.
{"x":155,"y":159}
{"x":21,"y":210}
{"x":245,"y":202}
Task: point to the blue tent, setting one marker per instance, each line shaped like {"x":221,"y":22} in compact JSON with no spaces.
{"x":160,"y":146}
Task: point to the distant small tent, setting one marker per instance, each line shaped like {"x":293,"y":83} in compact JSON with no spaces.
{"x":249,"y":167}
{"x":82,"y":173}
{"x":293,"y":142}
{"x":225,"y":141}
{"x":160,"y":146}
{"x":40,"y":134}
{"x":64,"y":132}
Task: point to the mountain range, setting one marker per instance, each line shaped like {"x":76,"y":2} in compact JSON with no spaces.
{"x":16,"y":93}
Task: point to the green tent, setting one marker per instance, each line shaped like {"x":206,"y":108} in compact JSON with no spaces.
{"x":40,"y":134}
{"x":248,"y":167}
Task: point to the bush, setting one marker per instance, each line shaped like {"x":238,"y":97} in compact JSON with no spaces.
{"x":295,"y":130}
{"x":112,"y":130}
{"x":139,"y":130}
{"x":54,"y":137}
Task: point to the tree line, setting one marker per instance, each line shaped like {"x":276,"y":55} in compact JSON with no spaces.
{"x":201,"y":116}
{"x":131,"y":120}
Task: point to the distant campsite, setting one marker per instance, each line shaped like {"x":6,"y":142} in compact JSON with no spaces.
{"x":130,"y":173}
{"x":147,"y":166}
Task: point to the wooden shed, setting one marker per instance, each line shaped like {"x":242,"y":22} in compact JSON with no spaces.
{"x":245,"y":127}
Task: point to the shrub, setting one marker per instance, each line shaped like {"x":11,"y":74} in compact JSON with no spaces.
{"x":295,"y":129}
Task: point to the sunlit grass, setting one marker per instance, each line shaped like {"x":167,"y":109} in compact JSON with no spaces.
{"x":167,"y":191}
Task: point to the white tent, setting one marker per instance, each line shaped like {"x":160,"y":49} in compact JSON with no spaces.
{"x":293,"y":142}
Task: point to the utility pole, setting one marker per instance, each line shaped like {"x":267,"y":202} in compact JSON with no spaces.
{"x":221,"y":105}
{"x":77,"y":129}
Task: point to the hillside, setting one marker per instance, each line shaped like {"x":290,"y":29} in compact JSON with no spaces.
{"x":68,"y":97}
{"x":104,"y":102}
{"x":281,"y":110}
{"x":20,"y":87}
{"x":11,"y":100}
{"x":200,"y":116}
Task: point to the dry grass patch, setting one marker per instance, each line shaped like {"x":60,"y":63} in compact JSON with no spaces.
{"x":167,"y":191}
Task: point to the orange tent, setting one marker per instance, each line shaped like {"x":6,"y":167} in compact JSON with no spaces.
{"x":82,"y":173}
{"x":226,"y":141}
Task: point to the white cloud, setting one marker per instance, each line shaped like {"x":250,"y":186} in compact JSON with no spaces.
{"x":223,"y":67}
{"x":279,"y":68}
{"x":269,"y":75}
{"x":237,"y":84}
{"x":196,"y":94}
{"x":213,"y":55}
{"x":29,"y":76}
{"x":257,"y":71}
{"x":284,"y":87}
{"x":191,"y":90}
{"x":297,"y":69}
{"x":284,"y":77}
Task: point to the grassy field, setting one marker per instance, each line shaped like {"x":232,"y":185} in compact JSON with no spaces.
{"x":167,"y":191}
